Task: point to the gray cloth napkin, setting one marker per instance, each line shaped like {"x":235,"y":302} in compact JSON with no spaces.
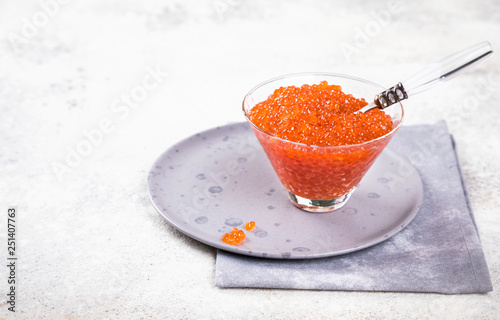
{"x":439,"y":251}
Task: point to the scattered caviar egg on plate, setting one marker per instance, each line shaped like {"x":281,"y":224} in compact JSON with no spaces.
{"x":250,"y":226}
{"x":234,"y":237}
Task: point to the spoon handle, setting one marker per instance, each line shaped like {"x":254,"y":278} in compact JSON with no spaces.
{"x":431,"y":75}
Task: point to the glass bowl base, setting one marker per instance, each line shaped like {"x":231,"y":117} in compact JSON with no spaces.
{"x":319,"y":205}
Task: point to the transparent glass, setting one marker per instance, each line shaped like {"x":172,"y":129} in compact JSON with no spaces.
{"x":320,"y":178}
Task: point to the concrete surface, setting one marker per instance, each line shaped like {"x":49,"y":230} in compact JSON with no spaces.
{"x":91,"y":92}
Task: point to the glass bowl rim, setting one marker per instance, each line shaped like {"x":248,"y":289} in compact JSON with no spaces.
{"x":328,"y":74}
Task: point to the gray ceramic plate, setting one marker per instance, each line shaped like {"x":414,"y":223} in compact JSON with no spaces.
{"x":219,"y":179}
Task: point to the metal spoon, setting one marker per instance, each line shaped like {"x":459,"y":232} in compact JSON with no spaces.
{"x":430,"y":76}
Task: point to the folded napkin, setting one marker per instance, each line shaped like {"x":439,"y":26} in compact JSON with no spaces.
{"x":439,"y":251}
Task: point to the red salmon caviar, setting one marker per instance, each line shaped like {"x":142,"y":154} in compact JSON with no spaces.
{"x":235,"y":237}
{"x":250,"y":226}
{"x":319,"y":114}
{"x":334,"y":154}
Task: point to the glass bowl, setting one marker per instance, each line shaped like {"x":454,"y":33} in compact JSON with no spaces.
{"x":320,"y":178}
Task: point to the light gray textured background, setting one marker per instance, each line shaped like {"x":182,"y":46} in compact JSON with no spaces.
{"x":92,"y":246}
